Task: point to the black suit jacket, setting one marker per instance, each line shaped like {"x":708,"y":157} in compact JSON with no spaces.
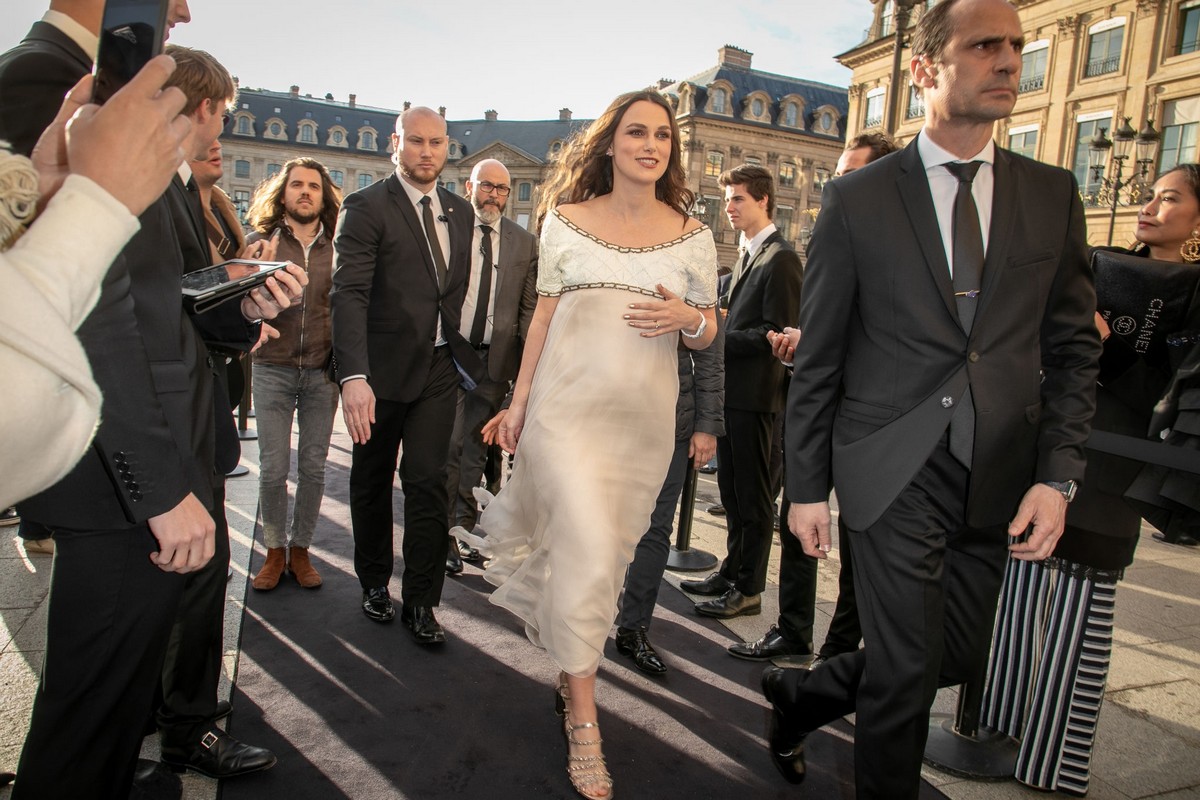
{"x":35,"y":76}
{"x":386,"y":302}
{"x":883,"y":358}
{"x":516,"y":298}
{"x":766,"y":298}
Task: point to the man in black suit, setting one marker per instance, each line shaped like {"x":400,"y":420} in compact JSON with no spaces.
{"x":764,"y":296}
{"x":943,"y":386}
{"x":495,"y":317}
{"x":192,"y":670}
{"x":402,"y":258}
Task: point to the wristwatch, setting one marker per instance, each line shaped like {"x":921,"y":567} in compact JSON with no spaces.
{"x":1066,"y":488}
{"x":699,"y":331}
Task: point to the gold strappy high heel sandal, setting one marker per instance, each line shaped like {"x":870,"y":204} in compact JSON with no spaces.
{"x":587,"y":773}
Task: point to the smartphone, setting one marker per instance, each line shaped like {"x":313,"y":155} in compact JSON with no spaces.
{"x":131,"y":33}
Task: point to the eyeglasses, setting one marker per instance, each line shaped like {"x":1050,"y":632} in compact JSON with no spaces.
{"x":487,"y":187}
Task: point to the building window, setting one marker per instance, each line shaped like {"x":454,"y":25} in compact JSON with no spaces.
{"x":308,"y":134}
{"x":241,"y":201}
{"x":885,"y":19}
{"x":916,"y":104}
{"x":873,"y":117}
{"x":241,"y":168}
{"x":720,"y":99}
{"x":753,"y":161}
{"x":820,"y":178}
{"x":366,"y":141}
{"x":276,"y":129}
{"x":783,"y":221}
{"x":338,"y":138}
{"x":1033,"y":66}
{"x":1104,"y":48}
{"x":524,"y":191}
{"x":714,"y":165}
{"x":1189,"y":28}
{"x":451,"y":186}
{"x":1180,"y":121}
{"x":453,"y":150}
{"x":274,"y":169}
{"x":1085,"y":129}
{"x":787,"y":174}
{"x":826,"y":121}
{"x":1024,"y":141}
{"x":243,"y":126}
{"x":365,"y":179}
{"x":791,"y":115}
{"x":757,"y":107}
{"x":337,"y":176}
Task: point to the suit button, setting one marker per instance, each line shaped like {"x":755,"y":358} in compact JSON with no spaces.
{"x":947,"y":401}
{"x":973,"y":357}
{"x":135,"y":496}
{"x":119,"y":457}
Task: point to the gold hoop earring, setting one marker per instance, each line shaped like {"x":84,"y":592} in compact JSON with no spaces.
{"x":1190,"y":249}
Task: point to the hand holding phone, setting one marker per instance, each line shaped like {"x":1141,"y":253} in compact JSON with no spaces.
{"x":131,"y":33}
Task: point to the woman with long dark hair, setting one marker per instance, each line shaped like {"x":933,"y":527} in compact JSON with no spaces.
{"x":1054,"y":630}
{"x":623,"y":273}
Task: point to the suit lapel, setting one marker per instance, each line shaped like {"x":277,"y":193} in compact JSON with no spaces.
{"x":1004,"y":204}
{"x":409,"y":214}
{"x":913,"y":186}
{"x":191,"y":201}
{"x":504,"y":262}
{"x":759,"y":257}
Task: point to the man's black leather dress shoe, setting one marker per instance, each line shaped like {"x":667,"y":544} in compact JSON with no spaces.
{"x":423,"y":625}
{"x":773,"y":644}
{"x":377,"y":605}
{"x":218,"y":755}
{"x":717,"y":510}
{"x":1176,"y":538}
{"x":636,"y":644}
{"x":468,"y":553}
{"x":454,"y":564}
{"x":714,"y":585}
{"x":153,"y":780}
{"x":787,"y":750}
{"x":731,"y":604}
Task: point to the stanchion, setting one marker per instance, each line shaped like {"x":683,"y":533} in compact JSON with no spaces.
{"x":682,"y":558}
{"x":961,"y":746}
{"x":244,"y":406}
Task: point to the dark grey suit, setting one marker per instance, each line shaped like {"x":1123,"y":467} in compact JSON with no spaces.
{"x":515,"y":300}
{"x":881,"y":364}
{"x":385,"y":306}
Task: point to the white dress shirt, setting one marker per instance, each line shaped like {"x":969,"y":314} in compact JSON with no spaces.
{"x":944,"y":187}
{"x":469,"y":304}
{"x":440,"y":222}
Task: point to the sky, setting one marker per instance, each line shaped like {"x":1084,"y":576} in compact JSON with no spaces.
{"x":524,"y":58}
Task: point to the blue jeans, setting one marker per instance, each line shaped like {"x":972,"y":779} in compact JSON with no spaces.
{"x":280,"y":393}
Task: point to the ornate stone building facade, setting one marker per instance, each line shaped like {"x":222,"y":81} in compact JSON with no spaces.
{"x":1086,"y":65}
{"x":732,"y":114}
{"x":729,"y":114}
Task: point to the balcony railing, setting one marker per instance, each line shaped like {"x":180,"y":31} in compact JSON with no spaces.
{"x":1101,"y":66}
{"x":916,"y":108}
{"x":873,"y":122}
{"x":1031,"y":84}
{"x":1188,"y":47}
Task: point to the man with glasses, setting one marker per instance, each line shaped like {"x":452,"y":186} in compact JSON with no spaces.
{"x":501,"y":295}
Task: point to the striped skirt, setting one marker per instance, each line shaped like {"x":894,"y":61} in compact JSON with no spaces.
{"x":1050,"y":658}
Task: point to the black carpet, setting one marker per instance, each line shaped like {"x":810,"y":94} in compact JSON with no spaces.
{"x":355,"y":709}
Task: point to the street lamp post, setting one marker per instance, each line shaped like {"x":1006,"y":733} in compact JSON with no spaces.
{"x":1143,"y":146}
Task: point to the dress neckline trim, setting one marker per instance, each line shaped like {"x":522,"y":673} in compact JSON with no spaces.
{"x":622,"y":249}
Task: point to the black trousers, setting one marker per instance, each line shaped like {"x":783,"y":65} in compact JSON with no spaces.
{"x":192,"y":670}
{"x":927,"y":587}
{"x":644,"y":576}
{"x":468,"y":454}
{"x":110,"y":616}
{"x":844,"y":631}
{"x":423,"y":427}
{"x":797,"y":586}
{"x":744,"y":480}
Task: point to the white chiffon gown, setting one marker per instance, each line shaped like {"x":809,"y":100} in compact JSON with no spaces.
{"x":598,"y":436}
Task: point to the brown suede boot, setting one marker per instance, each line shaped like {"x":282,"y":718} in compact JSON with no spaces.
{"x":302,"y":568}
{"x":268,"y":577}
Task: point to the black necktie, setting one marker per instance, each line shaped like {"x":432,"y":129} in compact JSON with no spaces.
{"x":439,"y":260}
{"x":485,"y":287}
{"x":968,"y":275}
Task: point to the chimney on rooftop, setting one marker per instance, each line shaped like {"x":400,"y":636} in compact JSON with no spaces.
{"x":731,"y":56}
{"x":329,"y":95}
{"x":353,"y":100}
{"x":564,"y":115}
{"x":442,"y":112}
{"x":490,"y":115}
{"x":407,"y":105}
{"x":664,"y":83}
{"x":295,"y":90}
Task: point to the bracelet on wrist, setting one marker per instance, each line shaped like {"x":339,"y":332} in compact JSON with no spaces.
{"x":699,"y":331}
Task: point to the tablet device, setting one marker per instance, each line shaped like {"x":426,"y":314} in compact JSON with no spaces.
{"x":206,"y":288}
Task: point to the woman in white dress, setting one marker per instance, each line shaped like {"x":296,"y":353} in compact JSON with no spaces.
{"x":623,"y":273}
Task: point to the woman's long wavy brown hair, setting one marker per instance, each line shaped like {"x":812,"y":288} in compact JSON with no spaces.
{"x":584,"y":171}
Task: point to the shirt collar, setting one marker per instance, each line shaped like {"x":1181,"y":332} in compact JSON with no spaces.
{"x":933,"y":155}
{"x":185,"y":172}
{"x":415,"y":194}
{"x":753,"y":245}
{"x":88,"y":42}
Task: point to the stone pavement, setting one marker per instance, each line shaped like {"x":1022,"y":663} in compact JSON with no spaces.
{"x":1149,"y":738}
